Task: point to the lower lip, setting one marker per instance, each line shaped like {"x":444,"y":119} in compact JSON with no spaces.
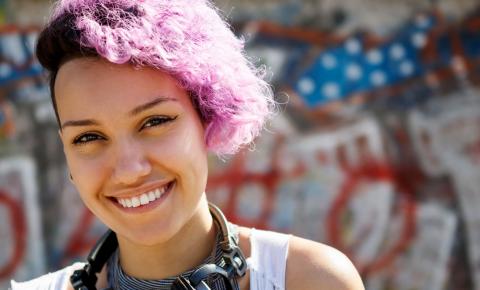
{"x":147,"y":207}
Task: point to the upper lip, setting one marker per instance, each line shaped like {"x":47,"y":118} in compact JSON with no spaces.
{"x":127,"y":193}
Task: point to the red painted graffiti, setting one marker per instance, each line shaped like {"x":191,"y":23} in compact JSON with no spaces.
{"x":355,"y":176}
{"x":19,"y":229}
{"x":79,"y":243}
{"x":236,"y":176}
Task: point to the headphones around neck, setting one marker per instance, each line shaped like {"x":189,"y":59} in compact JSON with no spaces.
{"x":235,"y":263}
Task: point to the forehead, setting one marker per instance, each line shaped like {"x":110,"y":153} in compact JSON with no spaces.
{"x":95,"y":86}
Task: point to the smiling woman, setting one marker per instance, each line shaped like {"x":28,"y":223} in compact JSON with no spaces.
{"x":142,"y":91}
{"x":128,"y":132}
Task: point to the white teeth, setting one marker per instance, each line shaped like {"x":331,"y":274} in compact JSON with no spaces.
{"x":143,"y":199}
{"x":151,"y":196}
{"x":135,"y":201}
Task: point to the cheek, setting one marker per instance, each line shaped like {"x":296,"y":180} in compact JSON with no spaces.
{"x":87,"y":173}
{"x":184,"y":152}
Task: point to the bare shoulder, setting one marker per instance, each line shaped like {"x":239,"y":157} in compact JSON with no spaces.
{"x":312,"y":265}
{"x":244,"y":239}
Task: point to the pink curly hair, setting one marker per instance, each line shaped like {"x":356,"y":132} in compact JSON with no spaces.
{"x":185,"y":38}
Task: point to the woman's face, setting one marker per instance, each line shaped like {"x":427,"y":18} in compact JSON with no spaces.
{"x":135,"y":147}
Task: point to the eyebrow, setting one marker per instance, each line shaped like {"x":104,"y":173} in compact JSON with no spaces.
{"x":135,"y":111}
{"x":153,"y":103}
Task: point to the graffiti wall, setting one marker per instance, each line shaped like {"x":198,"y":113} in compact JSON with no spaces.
{"x":374,"y":150}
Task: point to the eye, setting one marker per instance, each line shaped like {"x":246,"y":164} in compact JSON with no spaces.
{"x":87,"y":138}
{"x":157,"y":121}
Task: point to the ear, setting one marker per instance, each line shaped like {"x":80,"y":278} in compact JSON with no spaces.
{"x":62,"y":138}
{"x":60,"y":134}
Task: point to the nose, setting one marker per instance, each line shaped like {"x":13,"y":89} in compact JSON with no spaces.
{"x":131,"y":164}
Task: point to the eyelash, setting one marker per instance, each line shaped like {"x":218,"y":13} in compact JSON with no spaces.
{"x":157,"y":120}
{"x":89,"y":138}
{"x":151,"y":122}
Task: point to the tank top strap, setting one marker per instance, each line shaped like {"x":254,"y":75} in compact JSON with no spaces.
{"x":59,"y":280}
{"x":269,"y":251}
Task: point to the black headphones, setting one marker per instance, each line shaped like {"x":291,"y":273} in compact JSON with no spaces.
{"x":235,"y":263}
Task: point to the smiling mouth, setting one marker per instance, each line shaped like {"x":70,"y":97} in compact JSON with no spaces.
{"x":144,"y":198}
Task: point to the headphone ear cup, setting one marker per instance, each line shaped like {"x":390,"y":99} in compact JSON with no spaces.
{"x":203,"y":286}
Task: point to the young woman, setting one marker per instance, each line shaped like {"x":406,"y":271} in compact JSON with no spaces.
{"x":142,"y":91}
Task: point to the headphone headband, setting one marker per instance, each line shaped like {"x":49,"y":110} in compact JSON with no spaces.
{"x":231,"y":251}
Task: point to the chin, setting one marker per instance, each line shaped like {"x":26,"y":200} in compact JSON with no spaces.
{"x":152,"y":235}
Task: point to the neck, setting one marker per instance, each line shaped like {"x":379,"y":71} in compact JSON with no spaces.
{"x":182,"y":252}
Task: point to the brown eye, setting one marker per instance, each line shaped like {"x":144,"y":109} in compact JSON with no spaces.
{"x":86,"y":138}
{"x":157,"y":121}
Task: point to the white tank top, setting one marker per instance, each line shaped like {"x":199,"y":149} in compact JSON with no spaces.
{"x":267,"y":265}
{"x":268,"y":260}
